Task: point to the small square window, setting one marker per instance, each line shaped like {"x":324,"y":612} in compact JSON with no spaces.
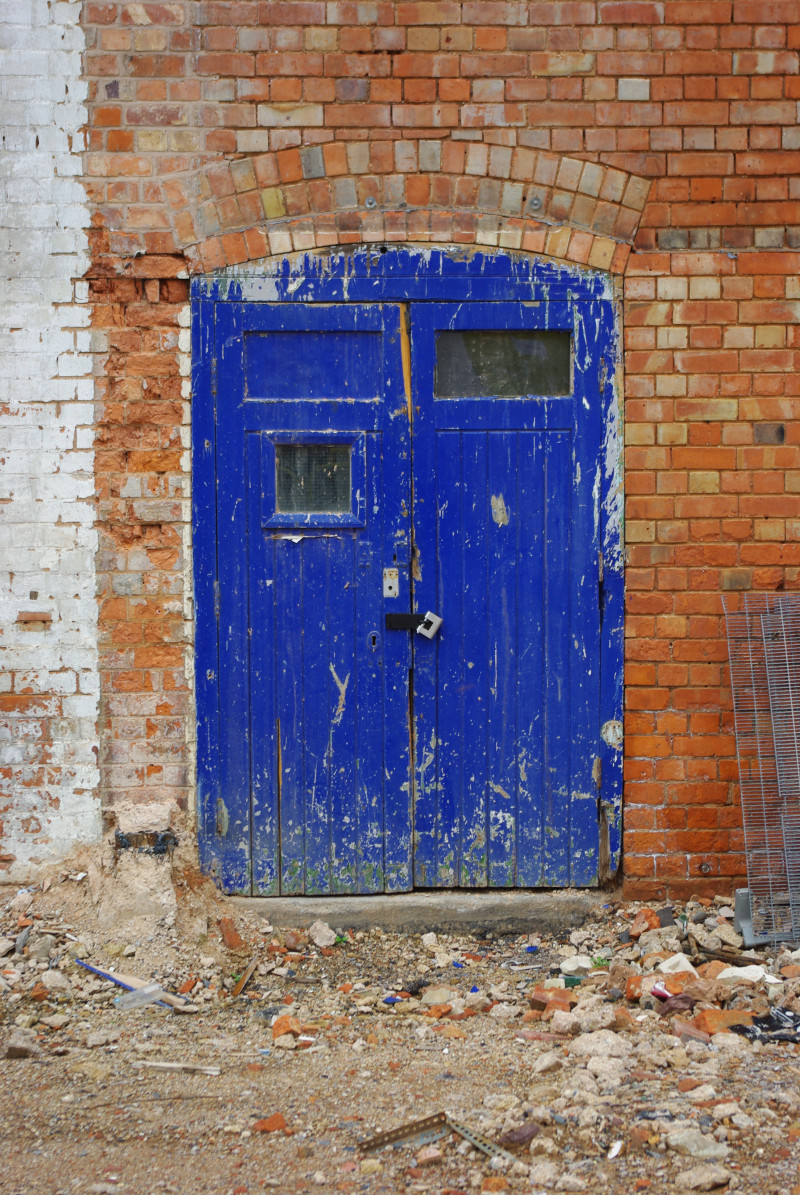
{"x":310,"y":478}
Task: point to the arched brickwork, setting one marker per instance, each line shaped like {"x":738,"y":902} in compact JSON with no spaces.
{"x":450,"y":192}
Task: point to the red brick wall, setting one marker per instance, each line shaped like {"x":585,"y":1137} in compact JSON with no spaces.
{"x":223,"y":132}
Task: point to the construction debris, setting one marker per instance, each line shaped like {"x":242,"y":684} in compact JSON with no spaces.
{"x":644,"y":1049}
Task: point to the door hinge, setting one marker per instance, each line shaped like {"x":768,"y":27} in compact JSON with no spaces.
{"x":216,"y":600}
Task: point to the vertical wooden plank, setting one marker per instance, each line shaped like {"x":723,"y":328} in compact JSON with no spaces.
{"x":232,"y":820}
{"x":612,"y":598}
{"x":450,"y":643}
{"x":390,"y":464}
{"x":558,"y":613}
{"x":501,"y":518}
{"x":476,"y":583}
{"x":530,"y":663}
{"x":425,"y":594}
{"x":585,"y":580}
{"x":204,"y":552}
{"x":324,"y":700}
{"x":291,"y":726}
{"x":374,"y":710}
{"x":344,"y":714}
{"x":264,"y":756}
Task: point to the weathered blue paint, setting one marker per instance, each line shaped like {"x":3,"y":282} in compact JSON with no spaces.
{"x":304,"y":763}
{"x":508,"y":537}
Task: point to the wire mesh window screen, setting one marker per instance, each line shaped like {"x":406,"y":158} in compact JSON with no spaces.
{"x":764,"y":653}
{"x":312,"y":477}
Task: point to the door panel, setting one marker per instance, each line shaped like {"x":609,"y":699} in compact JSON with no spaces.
{"x":507,"y":704}
{"x":494,"y":521}
{"x":316,"y":689}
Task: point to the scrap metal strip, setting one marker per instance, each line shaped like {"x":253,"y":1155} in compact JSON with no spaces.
{"x":430,"y":1128}
{"x":480,"y":1142}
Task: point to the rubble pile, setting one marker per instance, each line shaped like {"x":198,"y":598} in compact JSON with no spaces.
{"x":645,"y":1049}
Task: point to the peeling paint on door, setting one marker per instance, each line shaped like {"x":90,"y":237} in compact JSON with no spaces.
{"x":510,"y":500}
{"x":499,"y":512}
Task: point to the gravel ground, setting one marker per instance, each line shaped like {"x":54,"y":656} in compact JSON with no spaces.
{"x":376,"y":1030}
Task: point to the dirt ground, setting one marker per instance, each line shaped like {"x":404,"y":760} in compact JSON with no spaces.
{"x":376,"y":1030}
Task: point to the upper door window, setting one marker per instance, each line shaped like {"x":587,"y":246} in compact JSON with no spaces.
{"x":502,"y":363}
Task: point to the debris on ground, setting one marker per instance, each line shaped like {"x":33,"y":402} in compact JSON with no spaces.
{"x":644,"y":1050}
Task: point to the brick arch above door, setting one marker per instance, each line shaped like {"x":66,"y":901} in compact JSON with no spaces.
{"x":448,"y":191}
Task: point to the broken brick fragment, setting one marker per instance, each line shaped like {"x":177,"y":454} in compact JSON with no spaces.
{"x":644,"y":920}
{"x":230,"y":935}
{"x":439,"y":1010}
{"x":270,"y":1124}
{"x":719,"y":1020}
{"x":286,"y":1024}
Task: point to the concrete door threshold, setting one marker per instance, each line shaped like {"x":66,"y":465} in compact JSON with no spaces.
{"x":418,"y":912}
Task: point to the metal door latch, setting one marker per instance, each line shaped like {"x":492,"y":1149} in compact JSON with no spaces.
{"x":424,"y":624}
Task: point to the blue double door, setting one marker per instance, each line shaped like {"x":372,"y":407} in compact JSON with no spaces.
{"x":377,"y":462}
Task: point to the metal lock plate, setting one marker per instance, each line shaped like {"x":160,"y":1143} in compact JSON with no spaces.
{"x":391,"y":582}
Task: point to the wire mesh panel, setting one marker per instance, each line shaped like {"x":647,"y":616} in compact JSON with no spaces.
{"x":764,"y":652}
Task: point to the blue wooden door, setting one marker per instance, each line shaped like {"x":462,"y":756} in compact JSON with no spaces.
{"x":313,"y":506}
{"x":508,"y":436}
{"x":360,"y":461}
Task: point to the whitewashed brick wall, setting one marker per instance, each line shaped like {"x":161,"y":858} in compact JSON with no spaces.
{"x":48,"y":674}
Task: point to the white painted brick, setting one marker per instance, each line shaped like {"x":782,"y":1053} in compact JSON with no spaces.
{"x":47,"y":535}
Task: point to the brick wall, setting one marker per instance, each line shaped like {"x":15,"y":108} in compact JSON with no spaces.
{"x":657,"y":139}
{"x":224,"y":132}
{"x":48,"y":611}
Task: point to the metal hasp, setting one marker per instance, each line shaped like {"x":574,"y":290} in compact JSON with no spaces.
{"x":424,"y":624}
{"x":764,"y":651}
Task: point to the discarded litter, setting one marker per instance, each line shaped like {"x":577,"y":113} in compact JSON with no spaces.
{"x":151,"y":993}
{"x":480,"y":1142}
{"x":133,"y":982}
{"x":245,"y":978}
{"x":431,"y":1128}
{"x":779,"y":1024}
{"x":189,"y":1068}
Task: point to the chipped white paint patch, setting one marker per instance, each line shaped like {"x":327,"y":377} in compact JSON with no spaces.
{"x":499,"y":510}
{"x":48,"y":540}
{"x":341,"y":685}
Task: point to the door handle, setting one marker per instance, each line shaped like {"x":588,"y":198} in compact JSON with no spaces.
{"x":424,"y":624}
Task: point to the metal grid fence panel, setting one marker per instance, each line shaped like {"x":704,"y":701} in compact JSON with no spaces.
{"x":764,"y":652}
